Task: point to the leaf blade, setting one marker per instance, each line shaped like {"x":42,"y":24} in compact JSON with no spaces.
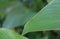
{"x":8,"y":34}
{"x":47,"y":19}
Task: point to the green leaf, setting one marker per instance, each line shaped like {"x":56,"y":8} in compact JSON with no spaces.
{"x":8,"y":34}
{"x":18,"y":19}
{"x":47,"y":19}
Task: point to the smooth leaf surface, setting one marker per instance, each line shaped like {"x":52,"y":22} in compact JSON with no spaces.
{"x":8,"y":34}
{"x":47,"y":19}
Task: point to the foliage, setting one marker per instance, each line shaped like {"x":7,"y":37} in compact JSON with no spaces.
{"x":29,"y":19}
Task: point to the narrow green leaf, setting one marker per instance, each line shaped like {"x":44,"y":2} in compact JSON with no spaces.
{"x":47,"y":19}
{"x":8,"y":34}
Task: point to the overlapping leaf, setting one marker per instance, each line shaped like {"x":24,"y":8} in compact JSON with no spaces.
{"x":8,"y":34}
{"x":47,"y":19}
